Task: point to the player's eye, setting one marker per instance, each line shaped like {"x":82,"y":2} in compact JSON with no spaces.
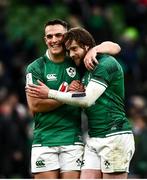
{"x":59,"y":35}
{"x":74,"y":48}
{"x":49,"y":36}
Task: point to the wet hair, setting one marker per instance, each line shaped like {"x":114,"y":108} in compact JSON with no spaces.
{"x":81,"y":36}
{"x":56,"y":22}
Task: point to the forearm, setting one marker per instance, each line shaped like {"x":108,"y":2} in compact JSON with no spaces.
{"x":47,"y":105}
{"x":108,"y":47}
{"x":83,"y":99}
{"x":76,"y":99}
{"x":42,"y":105}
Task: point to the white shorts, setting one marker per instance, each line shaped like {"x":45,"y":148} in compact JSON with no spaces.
{"x":110,"y":154}
{"x":65,"y":158}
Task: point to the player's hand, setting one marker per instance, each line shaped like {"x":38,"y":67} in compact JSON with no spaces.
{"x":37,"y":91}
{"x":90,"y":59}
{"x":76,"y":85}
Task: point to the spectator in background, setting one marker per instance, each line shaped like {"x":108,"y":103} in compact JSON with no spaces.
{"x":14,"y":139}
{"x":7,"y":139}
{"x":139,"y":162}
{"x":22,"y":123}
{"x":98,"y":24}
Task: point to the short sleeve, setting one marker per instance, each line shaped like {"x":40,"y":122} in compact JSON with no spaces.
{"x":35,"y":71}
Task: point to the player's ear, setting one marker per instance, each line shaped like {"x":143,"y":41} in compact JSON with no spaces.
{"x":45,"y":39}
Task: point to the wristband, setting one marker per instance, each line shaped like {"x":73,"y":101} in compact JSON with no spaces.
{"x":52,"y":94}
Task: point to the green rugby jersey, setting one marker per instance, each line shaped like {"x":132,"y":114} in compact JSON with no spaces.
{"x":107,"y":116}
{"x":61,"y":126}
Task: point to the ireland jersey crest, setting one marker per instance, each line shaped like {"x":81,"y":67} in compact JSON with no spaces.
{"x":71,"y":71}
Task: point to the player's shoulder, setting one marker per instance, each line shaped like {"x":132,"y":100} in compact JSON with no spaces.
{"x":35,"y":64}
{"x":110,"y":64}
{"x":107,"y":59}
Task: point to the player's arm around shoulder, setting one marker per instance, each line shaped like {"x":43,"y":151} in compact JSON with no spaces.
{"x":106,"y":47}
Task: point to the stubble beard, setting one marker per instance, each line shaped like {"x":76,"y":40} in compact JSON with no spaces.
{"x":81,"y":68}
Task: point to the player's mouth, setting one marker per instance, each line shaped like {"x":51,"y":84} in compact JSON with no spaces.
{"x":56,"y":46}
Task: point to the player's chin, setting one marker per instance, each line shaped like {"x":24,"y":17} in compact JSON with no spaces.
{"x":58,"y":48}
{"x":57,"y":51}
{"x":77,"y":62}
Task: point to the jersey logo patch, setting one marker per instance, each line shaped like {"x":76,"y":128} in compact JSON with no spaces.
{"x":71,"y":71}
{"x":29,"y":79}
{"x":51,"y":77}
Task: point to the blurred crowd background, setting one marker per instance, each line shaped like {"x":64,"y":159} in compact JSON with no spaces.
{"x":21,"y":41}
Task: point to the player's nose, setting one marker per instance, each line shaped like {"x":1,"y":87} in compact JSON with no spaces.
{"x":54,"y":39}
{"x":72,"y":54}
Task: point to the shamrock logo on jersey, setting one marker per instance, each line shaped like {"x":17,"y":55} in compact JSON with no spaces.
{"x":107,"y":164}
{"x":80,"y":162}
{"x":71,"y":71}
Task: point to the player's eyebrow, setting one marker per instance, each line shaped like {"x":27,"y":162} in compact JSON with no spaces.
{"x":49,"y":36}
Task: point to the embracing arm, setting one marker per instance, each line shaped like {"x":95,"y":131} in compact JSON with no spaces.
{"x":84,"y":99}
{"x":37,"y":104}
{"x":42,"y":105}
{"x":106,"y":47}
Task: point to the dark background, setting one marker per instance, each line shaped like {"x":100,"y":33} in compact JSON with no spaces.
{"x":21,"y":41}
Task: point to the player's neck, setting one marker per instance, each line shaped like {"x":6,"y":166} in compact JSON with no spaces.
{"x":57,"y":58}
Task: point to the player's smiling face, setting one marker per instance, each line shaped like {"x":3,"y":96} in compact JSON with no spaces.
{"x":76,"y":52}
{"x":54,"y":37}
